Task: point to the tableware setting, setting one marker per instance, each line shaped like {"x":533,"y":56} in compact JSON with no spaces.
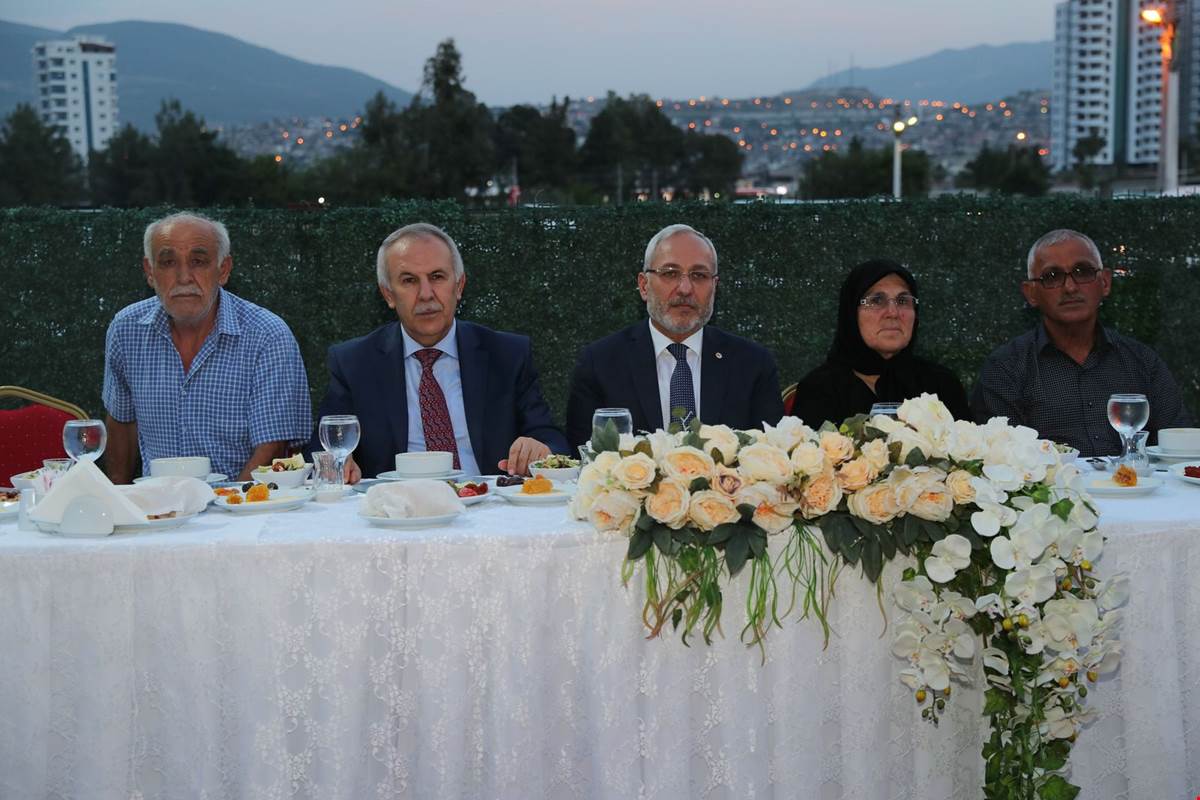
{"x":104,"y":508}
{"x":277,"y":500}
{"x":411,"y":504}
{"x":1180,"y":471}
{"x":1105,"y":487}
{"x":85,"y":439}
{"x":339,"y":435}
{"x":10,"y":503}
{"x":556,"y":468}
{"x":392,"y":476}
{"x":288,"y":478}
{"x":1128,"y":414}
{"x":521,"y":496}
{"x":1179,"y":441}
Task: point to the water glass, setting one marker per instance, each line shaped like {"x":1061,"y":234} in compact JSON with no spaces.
{"x":1139,"y":459}
{"x":84,"y":439}
{"x":339,"y":435}
{"x":327,"y":478}
{"x":1128,"y":413}
{"x":619,"y":418}
{"x":888,"y":409}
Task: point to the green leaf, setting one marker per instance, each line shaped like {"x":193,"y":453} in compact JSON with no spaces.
{"x":685,"y":536}
{"x":698,"y":485}
{"x":746,"y":510}
{"x":994,"y":702}
{"x":915,"y":458}
{"x":934,"y":531}
{"x":743,"y":439}
{"x":644,"y":448}
{"x":1057,"y":788}
{"x":909,"y":529}
{"x":894,"y":452}
{"x":605,"y":438}
{"x":872,"y":558}
{"x":888,"y":541}
{"x":758,"y":542}
{"x":716,"y":456}
{"x":952,"y":524}
{"x":676,"y":616}
{"x":722,"y":532}
{"x":645,"y":522}
{"x":692,"y":439}
{"x":1040,"y":493}
{"x":737,"y":550}
{"x":663,"y":540}
{"x":1062,"y":509}
{"x":639,"y":543}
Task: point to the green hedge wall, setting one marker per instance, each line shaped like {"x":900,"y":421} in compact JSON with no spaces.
{"x":565,"y":276}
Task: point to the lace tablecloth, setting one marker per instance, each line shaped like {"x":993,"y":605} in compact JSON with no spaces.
{"x":305,"y":654}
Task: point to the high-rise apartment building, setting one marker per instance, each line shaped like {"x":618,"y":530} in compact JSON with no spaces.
{"x":1108,"y":80}
{"x":77,"y":90}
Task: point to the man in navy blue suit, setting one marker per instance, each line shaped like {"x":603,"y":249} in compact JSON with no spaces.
{"x":675,"y":360}
{"x":431,"y":382}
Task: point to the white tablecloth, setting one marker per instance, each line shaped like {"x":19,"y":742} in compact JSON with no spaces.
{"x":305,"y":654}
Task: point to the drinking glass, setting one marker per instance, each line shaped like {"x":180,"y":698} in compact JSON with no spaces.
{"x":328,"y":481}
{"x":611,"y":421}
{"x":887,"y":409}
{"x":1128,"y":413}
{"x":339,"y":435}
{"x":84,"y":439}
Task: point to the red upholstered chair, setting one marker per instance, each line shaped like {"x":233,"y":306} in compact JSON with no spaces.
{"x":32,"y":432}
{"x":789,"y":399}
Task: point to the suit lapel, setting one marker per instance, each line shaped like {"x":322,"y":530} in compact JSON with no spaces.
{"x":713,"y":376}
{"x":393,"y":387}
{"x":643,"y":372}
{"x":473,"y":371}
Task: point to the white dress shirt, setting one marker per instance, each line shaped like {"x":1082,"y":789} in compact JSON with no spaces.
{"x":664,"y":362}
{"x":446,"y":370}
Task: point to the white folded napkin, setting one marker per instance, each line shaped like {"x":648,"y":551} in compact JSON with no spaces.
{"x":159,"y":496}
{"x":412,"y":499}
{"x":85,"y":478}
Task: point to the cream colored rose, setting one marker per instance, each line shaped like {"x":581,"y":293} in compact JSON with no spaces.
{"x":661,"y":443}
{"x":970,"y":443}
{"x":839,"y":448}
{"x":885,"y":423}
{"x":856,"y":474}
{"x":820,"y":496}
{"x":585,"y":495}
{"x":635,"y":472}
{"x":669,"y":503}
{"x":708,"y":509}
{"x":788,"y":433}
{"x":728,"y":481}
{"x":615,"y":511}
{"x":934,"y":503}
{"x":605,"y":462}
{"x":926,"y":413}
{"x":909,"y":483}
{"x":764,"y":462}
{"x":909,"y":439}
{"x":959,"y":484}
{"x":875,"y":504}
{"x":720,"y":438}
{"x":687,"y":464}
{"x":808,"y":459}
{"x":774,"y":510}
{"x":876,"y":453}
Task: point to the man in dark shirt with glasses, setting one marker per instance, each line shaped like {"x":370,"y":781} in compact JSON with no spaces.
{"x":1057,"y":378}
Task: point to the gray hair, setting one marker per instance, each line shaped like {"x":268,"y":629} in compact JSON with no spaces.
{"x":1059,"y":236}
{"x":667,"y":233}
{"x":219,"y":230}
{"x":417,"y":230}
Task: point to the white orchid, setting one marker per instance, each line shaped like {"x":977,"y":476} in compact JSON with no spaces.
{"x":1032,"y":585}
{"x":915,"y":595}
{"x":1114,"y":592}
{"x":1062,"y":724}
{"x":950,"y":555}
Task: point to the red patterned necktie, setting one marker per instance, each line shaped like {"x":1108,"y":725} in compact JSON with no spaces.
{"x":435,"y":417}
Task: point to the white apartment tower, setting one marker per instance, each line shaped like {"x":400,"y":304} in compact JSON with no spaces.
{"x":77,"y":90}
{"x":1107,"y":80}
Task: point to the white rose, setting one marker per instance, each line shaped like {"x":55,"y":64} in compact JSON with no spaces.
{"x":708,"y":509}
{"x":635,"y":472}
{"x":722,"y":439}
{"x":838,"y":447}
{"x":764,"y":462}
{"x":808,"y":459}
{"x":615,"y":511}
{"x":885,"y":423}
{"x":728,"y":481}
{"x":820,"y":496}
{"x":876,"y":452}
{"x":669,"y":503}
{"x":687,"y":464}
{"x":910,"y":439}
{"x":926,"y":413}
{"x":585,"y":495}
{"x":875,"y":504}
{"x":934,"y":503}
{"x":661,"y":443}
{"x":959,"y":484}
{"x":605,"y":462}
{"x":856,"y":474}
{"x":970,"y":444}
{"x":790,"y":432}
{"x":774,"y":511}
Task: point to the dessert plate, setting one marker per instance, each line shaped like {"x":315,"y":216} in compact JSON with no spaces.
{"x":409,"y":523}
{"x":1104,"y":487}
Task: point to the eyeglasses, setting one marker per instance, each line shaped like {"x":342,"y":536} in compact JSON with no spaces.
{"x":1055,"y":277}
{"x":880,"y":301}
{"x":700,"y":278}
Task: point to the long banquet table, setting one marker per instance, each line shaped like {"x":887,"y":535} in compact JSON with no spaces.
{"x":305,"y":654}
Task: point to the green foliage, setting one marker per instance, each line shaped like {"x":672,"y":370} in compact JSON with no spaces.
{"x":1017,"y":170}
{"x":566,"y":277}
{"x":859,"y":173}
{"x":37,"y":164}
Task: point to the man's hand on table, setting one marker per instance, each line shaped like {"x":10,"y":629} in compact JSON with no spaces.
{"x":524,"y":451}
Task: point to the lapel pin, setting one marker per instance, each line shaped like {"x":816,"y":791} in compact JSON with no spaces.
{"x":718,"y":355}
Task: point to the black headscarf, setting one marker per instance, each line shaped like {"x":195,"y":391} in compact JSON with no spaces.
{"x":850,"y":350}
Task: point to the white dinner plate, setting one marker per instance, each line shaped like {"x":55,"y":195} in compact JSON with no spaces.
{"x":163,"y":524}
{"x":1177,"y":471}
{"x":10,"y":509}
{"x":392,"y":475}
{"x":1104,"y":487}
{"x":1164,"y":455}
{"x":514,"y":495}
{"x":280,"y":500}
{"x":213,"y":477}
{"x":411,"y":522}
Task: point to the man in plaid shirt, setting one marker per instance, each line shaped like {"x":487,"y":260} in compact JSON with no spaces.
{"x":197,"y":370}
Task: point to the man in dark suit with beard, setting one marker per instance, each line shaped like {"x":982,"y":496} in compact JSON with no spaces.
{"x":675,"y":359}
{"x":431,"y":382}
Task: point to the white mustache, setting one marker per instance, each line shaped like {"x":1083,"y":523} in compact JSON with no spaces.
{"x":186,"y":292}
{"x":688,"y":303}
{"x":427,"y":308}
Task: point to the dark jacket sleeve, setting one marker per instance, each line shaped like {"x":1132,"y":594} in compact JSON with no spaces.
{"x":337,"y":400}
{"x":533,"y":412}
{"x":584,"y":397}
{"x":766,"y":400}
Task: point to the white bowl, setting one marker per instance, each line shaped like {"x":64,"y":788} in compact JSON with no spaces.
{"x":558,"y":475}
{"x":1179,"y":440}
{"x":186,"y":466}
{"x":435,"y":462}
{"x":24,"y":480}
{"x":284,"y":479}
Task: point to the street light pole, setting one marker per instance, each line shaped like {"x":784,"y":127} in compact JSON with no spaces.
{"x":898,"y":128}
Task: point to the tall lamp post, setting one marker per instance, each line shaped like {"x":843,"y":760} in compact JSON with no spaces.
{"x":898,"y":128}
{"x":1166,"y":17}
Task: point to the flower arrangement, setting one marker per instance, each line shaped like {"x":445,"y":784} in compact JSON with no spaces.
{"x":999,"y":534}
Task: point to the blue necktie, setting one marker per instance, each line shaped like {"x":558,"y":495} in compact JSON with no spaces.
{"x":683,"y":393}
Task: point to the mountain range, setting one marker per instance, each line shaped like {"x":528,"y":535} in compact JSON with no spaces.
{"x":228,"y":81}
{"x":222,"y":79}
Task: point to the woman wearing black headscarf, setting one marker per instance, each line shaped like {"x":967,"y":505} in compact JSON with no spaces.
{"x":871,"y":360}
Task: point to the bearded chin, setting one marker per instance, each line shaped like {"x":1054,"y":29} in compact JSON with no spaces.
{"x":659,"y":312}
